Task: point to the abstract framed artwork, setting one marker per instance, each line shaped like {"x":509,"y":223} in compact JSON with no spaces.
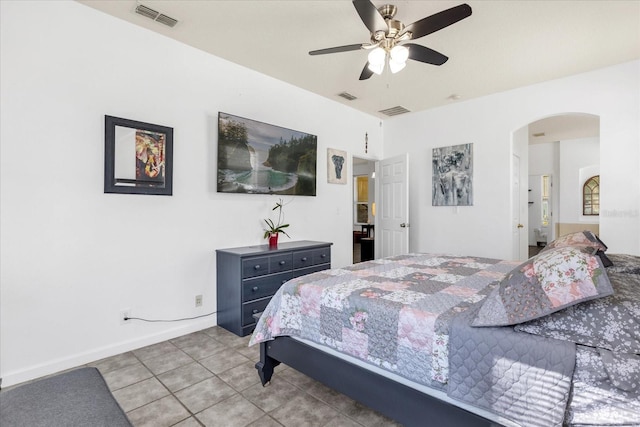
{"x":138,"y":157}
{"x":259,"y":158}
{"x":336,"y":166}
{"x":452,"y":179}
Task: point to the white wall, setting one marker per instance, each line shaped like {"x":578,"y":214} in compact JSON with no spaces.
{"x":544,"y":160}
{"x":565,"y":161}
{"x":577,"y":157}
{"x":72,"y":257}
{"x":484,"y":229}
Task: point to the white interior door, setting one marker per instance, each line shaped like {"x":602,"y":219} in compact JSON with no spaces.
{"x":516,"y":224}
{"x":392,"y":229}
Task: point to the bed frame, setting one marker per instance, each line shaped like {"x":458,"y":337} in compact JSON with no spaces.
{"x":404,"y":404}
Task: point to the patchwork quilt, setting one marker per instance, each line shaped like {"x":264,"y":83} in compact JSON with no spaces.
{"x":394,"y":313}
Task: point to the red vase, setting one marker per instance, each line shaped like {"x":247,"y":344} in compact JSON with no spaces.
{"x":273,"y":240}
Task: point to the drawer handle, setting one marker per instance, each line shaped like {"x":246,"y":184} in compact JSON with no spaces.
{"x":255,"y":288}
{"x":323,"y":256}
{"x":282,"y":262}
{"x":256,"y":267}
{"x":254,"y":311}
{"x":303,"y":259}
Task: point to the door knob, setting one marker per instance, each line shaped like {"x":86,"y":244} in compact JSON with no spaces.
{"x":520,"y":226}
{"x":403,"y":225}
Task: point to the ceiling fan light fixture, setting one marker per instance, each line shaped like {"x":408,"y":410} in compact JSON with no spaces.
{"x":396,"y":66}
{"x":398,"y":58}
{"x":376,"y":68}
{"x":377,"y":59}
{"x":377,"y":56}
{"x":399,"y":54}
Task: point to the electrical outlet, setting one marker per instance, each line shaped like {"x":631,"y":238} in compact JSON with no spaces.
{"x":125,"y":313}
{"x":198,"y":300}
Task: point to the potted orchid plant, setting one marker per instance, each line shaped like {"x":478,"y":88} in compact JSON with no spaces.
{"x":275,"y":228}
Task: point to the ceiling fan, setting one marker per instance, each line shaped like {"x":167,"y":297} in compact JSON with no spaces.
{"x":389,"y":37}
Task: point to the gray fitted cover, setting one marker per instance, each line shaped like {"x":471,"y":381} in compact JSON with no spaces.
{"x":595,"y":399}
{"x":524,"y":377}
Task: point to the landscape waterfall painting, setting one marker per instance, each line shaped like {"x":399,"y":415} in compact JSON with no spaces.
{"x":452,"y":181}
{"x":258,"y":158}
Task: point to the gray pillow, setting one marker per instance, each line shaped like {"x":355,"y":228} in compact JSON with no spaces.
{"x":546,"y":283}
{"x":612,"y":323}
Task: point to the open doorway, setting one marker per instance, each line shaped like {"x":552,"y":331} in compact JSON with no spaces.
{"x":364,"y":209}
{"x":563,"y":153}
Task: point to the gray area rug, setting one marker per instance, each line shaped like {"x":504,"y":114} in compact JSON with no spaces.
{"x":76,"y":398}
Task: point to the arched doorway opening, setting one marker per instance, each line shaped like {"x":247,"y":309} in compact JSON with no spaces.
{"x":556,"y":155}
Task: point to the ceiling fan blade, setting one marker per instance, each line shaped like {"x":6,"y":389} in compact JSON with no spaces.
{"x":337,"y":49}
{"x":438,"y":21}
{"x":424,"y":54}
{"x":366,"y":72}
{"x":370,"y":15}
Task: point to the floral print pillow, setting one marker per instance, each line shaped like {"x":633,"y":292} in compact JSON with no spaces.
{"x":582,"y":239}
{"x":578,"y":239}
{"x":611,"y":323}
{"x":546,"y":283}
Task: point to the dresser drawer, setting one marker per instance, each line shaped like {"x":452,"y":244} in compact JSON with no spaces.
{"x":302,"y":259}
{"x":309,"y":270}
{"x":251,"y":308}
{"x":322,"y":256}
{"x":278,"y":263}
{"x":261,"y":287}
{"x":252,"y":267}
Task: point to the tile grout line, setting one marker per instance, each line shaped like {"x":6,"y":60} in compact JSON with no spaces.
{"x":230,"y":345}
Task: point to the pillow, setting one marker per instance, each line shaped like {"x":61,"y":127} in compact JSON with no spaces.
{"x":579,"y":239}
{"x":582,"y":239}
{"x":546,"y":283}
{"x":612,"y":323}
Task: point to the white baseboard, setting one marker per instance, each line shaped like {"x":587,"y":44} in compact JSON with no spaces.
{"x":76,"y":360}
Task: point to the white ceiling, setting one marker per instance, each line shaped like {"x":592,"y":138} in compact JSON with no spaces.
{"x":501,"y":46}
{"x":564,"y":127}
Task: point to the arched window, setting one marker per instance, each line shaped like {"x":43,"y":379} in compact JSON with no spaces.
{"x":591,"y":196}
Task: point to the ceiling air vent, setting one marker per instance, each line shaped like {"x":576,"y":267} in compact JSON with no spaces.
{"x":394,"y":111}
{"x":347,"y":96}
{"x":166,"y":20}
{"x":155,"y":15}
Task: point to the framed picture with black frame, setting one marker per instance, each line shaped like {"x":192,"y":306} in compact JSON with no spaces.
{"x":138,"y":157}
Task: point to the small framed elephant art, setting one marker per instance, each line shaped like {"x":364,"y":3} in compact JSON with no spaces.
{"x":336,"y":166}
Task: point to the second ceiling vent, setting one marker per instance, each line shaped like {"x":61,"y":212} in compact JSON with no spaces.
{"x":394,"y":111}
{"x":347,"y":96}
{"x":155,"y":15}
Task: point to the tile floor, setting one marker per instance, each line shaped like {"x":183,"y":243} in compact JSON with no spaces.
{"x":535,"y":250}
{"x":208,"y":378}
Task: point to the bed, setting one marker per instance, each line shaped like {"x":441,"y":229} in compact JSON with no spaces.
{"x":467,"y":340}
